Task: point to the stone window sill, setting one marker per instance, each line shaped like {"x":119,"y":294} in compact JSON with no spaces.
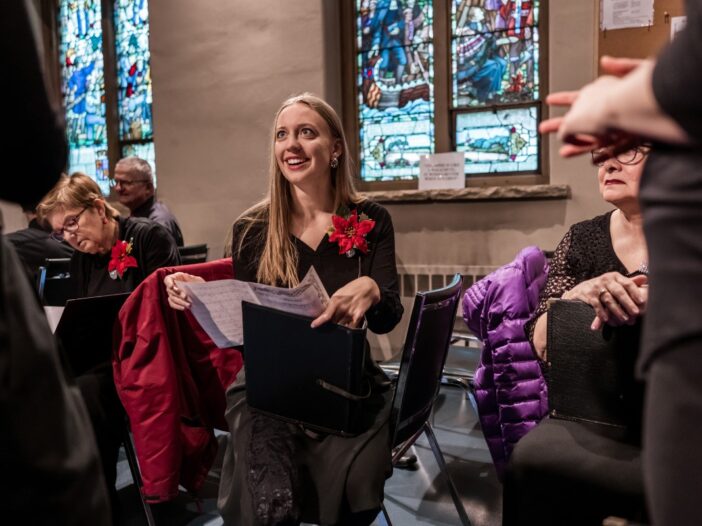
{"x":475,"y":193}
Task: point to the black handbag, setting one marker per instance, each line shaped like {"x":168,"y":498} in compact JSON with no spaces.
{"x":590,"y":374}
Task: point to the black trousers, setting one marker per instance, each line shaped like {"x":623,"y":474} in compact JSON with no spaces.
{"x":671,"y":198}
{"x":564,"y":472}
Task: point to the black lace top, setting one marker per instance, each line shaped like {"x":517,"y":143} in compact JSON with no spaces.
{"x":585,"y":252}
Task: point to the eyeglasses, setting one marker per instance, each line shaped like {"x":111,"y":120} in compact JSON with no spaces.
{"x":69,"y":225}
{"x":125,"y":183}
{"x":629,"y":158}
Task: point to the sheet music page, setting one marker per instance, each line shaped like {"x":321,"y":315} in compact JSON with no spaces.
{"x":309,"y":298}
{"x":53,"y":315}
{"x":216,"y":305}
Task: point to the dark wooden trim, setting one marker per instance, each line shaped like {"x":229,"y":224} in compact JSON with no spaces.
{"x":109,"y":54}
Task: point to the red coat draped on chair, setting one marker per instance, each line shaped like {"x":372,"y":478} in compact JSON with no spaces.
{"x":171,"y":379}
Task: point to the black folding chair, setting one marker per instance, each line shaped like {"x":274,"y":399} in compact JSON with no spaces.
{"x":54,"y":281}
{"x":193,"y":254}
{"x":423,"y":357}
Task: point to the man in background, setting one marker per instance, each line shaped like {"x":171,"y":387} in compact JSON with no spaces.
{"x":134,"y":184}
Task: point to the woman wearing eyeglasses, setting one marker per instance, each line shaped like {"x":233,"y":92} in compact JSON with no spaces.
{"x":602,"y":261}
{"x":112,"y":254}
{"x":560,"y":472}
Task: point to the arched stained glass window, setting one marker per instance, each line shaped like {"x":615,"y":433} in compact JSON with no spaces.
{"x":443,"y":75}
{"x":495,"y":63}
{"x":395,"y":86}
{"x":91,"y":136}
{"x":83,"y":83}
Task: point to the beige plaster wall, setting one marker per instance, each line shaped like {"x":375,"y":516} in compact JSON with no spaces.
{"x":220,"y":71}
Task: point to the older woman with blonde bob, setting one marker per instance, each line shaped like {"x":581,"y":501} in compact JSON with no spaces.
{"x":280,"y":473}
{"x":113,"y":254}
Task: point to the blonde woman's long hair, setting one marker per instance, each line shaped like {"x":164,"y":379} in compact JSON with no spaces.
{"x":278,"y":263}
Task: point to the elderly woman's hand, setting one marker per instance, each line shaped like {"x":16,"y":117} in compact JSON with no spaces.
{"x":617,"y":300}
{"x":177,"y":297}
{"x":349,"y":304}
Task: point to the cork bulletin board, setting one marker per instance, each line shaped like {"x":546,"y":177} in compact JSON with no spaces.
{"x":641,"y":42}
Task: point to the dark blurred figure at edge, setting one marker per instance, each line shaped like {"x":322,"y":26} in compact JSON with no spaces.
{"x":49,"y":468}
{"x":34,"y":244}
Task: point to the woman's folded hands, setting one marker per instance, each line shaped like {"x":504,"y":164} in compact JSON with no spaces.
{"x":617,"y":299}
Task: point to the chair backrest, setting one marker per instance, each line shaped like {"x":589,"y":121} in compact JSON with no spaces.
{"x":423,"y":356}
{"x":591,"y":374}
{"x":193,"y":254}
{"x":54,"y":281}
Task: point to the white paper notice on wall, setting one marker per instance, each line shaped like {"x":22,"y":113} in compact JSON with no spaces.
{"x":677,"y":24}
{"x":441,"y":171}
{"x":618,"y":14}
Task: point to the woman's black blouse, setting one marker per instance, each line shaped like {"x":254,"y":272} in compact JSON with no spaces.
{"x":337,"y":270}
{"x":153,"y":247}
{"x":585,"y":252}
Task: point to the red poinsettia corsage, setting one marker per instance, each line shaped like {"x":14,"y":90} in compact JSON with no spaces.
{"x":121,"y":260}
{"x":350,"y":232}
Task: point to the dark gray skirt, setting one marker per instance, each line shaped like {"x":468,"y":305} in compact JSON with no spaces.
{"x":318,"y":478}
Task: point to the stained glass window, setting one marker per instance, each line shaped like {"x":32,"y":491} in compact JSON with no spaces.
{"x":499,"y":141}
{"x":83,"y":74}
{"x":83,"y":88}
{"x":495,"y":52}
{"x":395,"y":86}
{"x":133,"y":69}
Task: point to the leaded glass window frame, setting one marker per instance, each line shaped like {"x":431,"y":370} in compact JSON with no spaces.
{"x":445,"y":114}
{"x":120,"y":142}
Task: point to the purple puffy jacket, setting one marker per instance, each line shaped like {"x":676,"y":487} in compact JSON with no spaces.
{"x":509,"y":387}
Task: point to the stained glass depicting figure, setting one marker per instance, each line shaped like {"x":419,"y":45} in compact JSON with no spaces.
{"x":495,"y":51}
{"x":83,"y":87}
{"x":395,"y":84}
{"x":133,"y":69}
{"x":144,"y":151}
{"x":499,"y":142}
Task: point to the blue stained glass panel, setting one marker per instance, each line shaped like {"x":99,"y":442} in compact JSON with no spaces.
{"x":391,"y":148}
{"x":133,"y":69}
{"x":495,"y":52}
{"x":144,"y":151}
{"x":83,"y":86}
{"x":395,"y":86}
{"x":497,"y":142}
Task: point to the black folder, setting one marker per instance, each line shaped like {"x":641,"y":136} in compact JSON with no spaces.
{"x":313,"y":377}
{"x":85,"y":330}
{"x":591,"y":374}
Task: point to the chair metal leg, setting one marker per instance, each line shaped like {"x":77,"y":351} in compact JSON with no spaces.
{"x":136,"y":476}
{"x":444,"y":469}
{"x":385,"y":515}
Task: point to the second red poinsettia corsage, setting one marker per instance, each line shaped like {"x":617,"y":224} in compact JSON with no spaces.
{"x":350,"y":232}
{"x":121,"y":259}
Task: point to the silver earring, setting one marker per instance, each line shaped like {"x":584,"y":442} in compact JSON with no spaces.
{"x":334,"y":162}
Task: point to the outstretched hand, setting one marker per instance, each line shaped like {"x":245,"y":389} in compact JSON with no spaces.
{"x":177,"y":297}
{"x":349,"y":304}
{"x":585,"y":127}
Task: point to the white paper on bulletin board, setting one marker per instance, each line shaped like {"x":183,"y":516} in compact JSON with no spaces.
{"x":442,"y":171}
{"x":677,"y":24}
{"x":619,"y":14}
